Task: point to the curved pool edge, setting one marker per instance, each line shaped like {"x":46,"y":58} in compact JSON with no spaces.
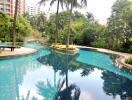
{"x":120,"y":60}
{"x":17,"y":52}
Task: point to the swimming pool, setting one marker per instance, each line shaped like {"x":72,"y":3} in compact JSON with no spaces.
{"x":48,"y":75}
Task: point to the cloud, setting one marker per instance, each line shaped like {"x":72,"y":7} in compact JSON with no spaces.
{"x":85,"y":96}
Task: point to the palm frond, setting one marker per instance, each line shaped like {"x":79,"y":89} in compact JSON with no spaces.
{"x":43,"y":2}
{"x":84,"y":2}
{"x":52,"y":2}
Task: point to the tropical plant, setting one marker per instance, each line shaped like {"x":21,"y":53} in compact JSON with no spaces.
{"x":59,"y":2}
{"x":47,"y":90}
{"x":71,"y":4}
{"x":23,"y":28}
{"x":6,"y":26}
{"x":91,"y":18}
{"x":120,"y":26}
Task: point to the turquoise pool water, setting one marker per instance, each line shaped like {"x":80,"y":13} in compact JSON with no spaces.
{"x":47,"y":75}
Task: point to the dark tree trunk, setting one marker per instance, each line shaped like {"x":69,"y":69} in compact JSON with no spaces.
{"x":69,"y":26}
{"x":14,"y":22}
{"x":57,"y":22}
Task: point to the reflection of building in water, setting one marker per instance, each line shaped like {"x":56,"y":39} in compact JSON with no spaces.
{"x":11,"y":76}
{"x":8,"y":89}
{"x":33,"y":65}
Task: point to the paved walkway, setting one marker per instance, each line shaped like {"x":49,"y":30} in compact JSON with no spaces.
{"x":119,"y":61}
{"x":17,"y":52}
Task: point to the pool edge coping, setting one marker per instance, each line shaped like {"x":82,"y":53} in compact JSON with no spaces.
{"x":19,"y":54}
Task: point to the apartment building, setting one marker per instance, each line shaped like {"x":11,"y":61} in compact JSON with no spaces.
{"x":8,"y":6}
{"x":33,"y":10}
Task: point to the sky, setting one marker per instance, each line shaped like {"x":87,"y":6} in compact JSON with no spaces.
{"x":100,"y":8}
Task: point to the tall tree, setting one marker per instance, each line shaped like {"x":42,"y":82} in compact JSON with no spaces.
{"x":119,"y":25}
{"x":14,"y":22}
{"x":59,"y":2}
{"x":71,"y":4}
{"x":38,"y":22}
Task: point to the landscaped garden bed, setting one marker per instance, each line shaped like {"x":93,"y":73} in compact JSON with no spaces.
{"x":63,"y":49}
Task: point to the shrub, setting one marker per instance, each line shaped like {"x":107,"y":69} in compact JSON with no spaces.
{"x":99,"y":43}
{"x":130,"y":49}
{"x":129,"y":61}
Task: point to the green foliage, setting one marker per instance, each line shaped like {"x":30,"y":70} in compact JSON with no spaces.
{"x":129,"y":61}
{"x":23,"y":28}
{"x":120,"y":26}
{"x":85,"y":30}
{"x":99,"y":43}
{"x":130,"y":49}
{"x":38,"y":22}
{"x":88,"y":35}
{"x":5,"y":24}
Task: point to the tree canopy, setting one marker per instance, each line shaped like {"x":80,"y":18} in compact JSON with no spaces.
{"x":23,"y":28}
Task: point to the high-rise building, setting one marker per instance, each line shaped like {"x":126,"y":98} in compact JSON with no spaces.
{"x":34,"y":10}
{"x":8,"y":6}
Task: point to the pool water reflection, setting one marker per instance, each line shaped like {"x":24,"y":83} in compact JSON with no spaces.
{"x":48,"y":75}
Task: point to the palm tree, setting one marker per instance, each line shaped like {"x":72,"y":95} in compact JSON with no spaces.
{"x":59,"y":2}
{"x":71,"y":4}
{"x":14,"y":22}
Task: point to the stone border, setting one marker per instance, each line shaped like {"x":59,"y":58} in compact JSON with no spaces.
{"x":119,"y":61}
{"x":17,"y":52}
{"x":70,"y":52}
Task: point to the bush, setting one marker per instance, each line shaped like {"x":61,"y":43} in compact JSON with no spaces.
{"x":129,"y":61}
{"x":23,"y":28}
{"x":130,"y":49}
{"x":100,"y":43}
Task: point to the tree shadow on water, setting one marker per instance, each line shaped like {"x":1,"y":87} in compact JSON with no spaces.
{"x":46,"y":89}
{"x":116,"y":85}
{"x":64,"y":63}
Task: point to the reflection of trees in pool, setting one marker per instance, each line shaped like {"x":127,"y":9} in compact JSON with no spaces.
{"x":113,"y":84}
{"x":86,"y":71}
{"x":71,"y":92}
{"x":63,"y":63}
{"x":47,"y":90}
{"x":117,"y":85}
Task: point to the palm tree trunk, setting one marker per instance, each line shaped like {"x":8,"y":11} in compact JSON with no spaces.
{"x":14,"y":23}
{"x":57,"y":22}
{"x":54,"y":78}
{"x":69,"y":26}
